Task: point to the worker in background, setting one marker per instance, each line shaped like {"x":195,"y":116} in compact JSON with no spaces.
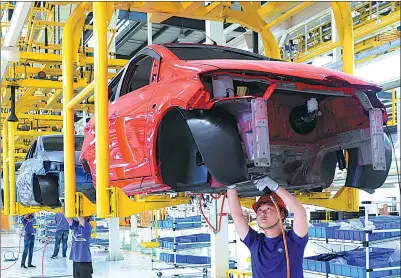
{"x":29,"y":239}
{"x":267,"y":248}
{"x":80,"y":251}
{"x":61,"y":235}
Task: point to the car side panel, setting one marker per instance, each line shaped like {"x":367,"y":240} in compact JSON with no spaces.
{"x":127,"y":123}
{"x":176,"y":88}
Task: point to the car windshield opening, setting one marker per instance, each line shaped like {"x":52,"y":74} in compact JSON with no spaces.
{"x":55,"y":144}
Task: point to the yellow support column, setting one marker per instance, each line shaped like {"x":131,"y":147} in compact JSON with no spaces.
{"x":68,"y":123}
{"x":393,"y":108}
{"x":272,"y":50}
{"x":5,"y":169}
{"x":11,"y":167}
{"x":100,"y":23}
{"x":343,"y":17}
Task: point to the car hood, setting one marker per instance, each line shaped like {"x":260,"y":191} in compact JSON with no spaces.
{"x":58,"y":156}
{"x":302,"y":71}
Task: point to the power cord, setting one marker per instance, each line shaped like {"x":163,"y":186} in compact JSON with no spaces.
{"x":218,"y":228}
{"x":284,"y":236}
{"x":15,"y":259}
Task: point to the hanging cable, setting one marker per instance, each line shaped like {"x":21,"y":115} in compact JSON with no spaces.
{"x":284,"y":237}
{"x":215,"y":230}
{"x":218,"y":196}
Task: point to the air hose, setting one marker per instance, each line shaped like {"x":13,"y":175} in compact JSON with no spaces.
{"x":284,"y":236}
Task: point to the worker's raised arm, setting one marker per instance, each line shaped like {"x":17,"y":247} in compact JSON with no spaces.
{"x":69,"y":219}
{"x":300,"y":219}
{"x":300,"y":225}
{"x":241,"y":226}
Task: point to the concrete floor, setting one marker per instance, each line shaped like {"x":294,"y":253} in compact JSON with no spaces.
{"x":135,"y":263}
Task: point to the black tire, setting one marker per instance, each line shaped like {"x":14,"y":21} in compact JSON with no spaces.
{"x":159,"y":274}
{"x":49,"y":190}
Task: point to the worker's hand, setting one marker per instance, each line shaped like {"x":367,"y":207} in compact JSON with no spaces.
{"x":267,"y":182}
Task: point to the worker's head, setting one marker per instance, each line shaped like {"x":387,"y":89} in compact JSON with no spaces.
{"x":266,"y":213}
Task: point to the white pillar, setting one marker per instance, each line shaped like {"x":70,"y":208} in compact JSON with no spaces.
{"x":215,"y":31}
{"x":114,"y":240}
{"x":334,"y":38}
{"x":219,"y":241}
{"x":150,"y":32}
{"x":134,"y":226}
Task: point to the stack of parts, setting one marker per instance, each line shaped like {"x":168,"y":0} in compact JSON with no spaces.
{"x":186,"y":242}
{"x":181,"y":223}
{"x":353,"y":263}
{"x":354,"y":229}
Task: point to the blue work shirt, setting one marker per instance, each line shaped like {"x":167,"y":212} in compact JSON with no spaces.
{"x":61,"y":223}
{"x":80,"y":251}
{"x":268,"y":254}
{"x":28,"y":226}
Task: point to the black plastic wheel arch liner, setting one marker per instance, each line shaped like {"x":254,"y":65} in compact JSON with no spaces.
{"x":48,"y":186}
{"x":219,"y":143}
{"x":177,"y":154}
{"x":363,"y":176}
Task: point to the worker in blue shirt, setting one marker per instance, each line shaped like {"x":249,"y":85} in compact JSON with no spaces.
{"x":61,"y":235}
{"x":269,"y":247}
{"x":80,"y":251}
{"x":29,"y":239}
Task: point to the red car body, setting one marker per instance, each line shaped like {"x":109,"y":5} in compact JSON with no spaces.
{"x":149,"y":143}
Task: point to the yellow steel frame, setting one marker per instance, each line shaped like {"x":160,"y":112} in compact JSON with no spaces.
{"x":359,"y":32}
{"x":110,"y":202}
{"x":113,"y":202}
{"x":346,"y":199}
{"x":5,"y":168}
{"x":343,"y":16}
{"x":11,"y":168}
{"x":394,"y":100}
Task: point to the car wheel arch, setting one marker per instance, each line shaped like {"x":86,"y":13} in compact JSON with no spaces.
{"x":189,"y":125}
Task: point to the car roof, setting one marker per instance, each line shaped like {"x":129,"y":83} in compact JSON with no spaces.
{"x":215,"y":46}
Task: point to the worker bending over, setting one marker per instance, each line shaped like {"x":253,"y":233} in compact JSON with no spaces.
{"x":29,"y":239}
{"x":80,"y":252}
{"x":267,"y":247}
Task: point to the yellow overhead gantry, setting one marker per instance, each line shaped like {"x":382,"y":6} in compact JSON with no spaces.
{"x":110,"y":202}
{"x":219,"y":11}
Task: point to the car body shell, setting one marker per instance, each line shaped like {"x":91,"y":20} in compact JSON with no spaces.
{"x":135,"y":117}
{"x":47,"y":169}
